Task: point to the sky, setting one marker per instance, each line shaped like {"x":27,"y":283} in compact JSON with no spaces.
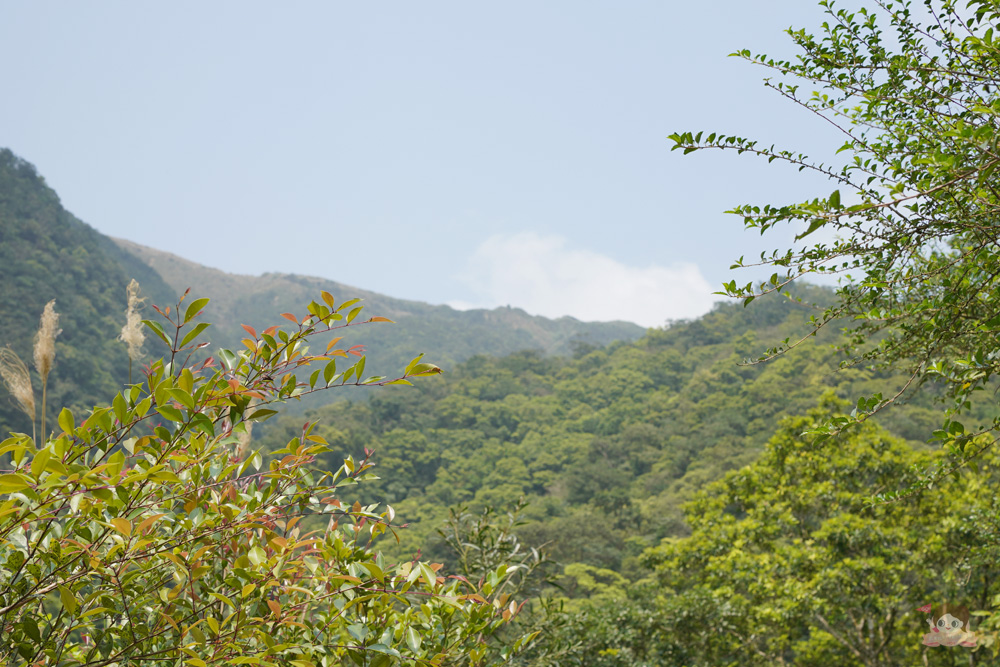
{"x":471,"y":154}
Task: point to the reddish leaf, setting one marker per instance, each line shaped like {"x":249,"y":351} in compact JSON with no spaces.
{"x":290,"y":317}
{"x":249,"y":329}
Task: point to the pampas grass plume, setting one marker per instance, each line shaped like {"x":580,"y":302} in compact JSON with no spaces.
{"x":243,"y":440}
{"x":45,"y":340}
{"x":132,"y":334}
{"x":15,"y":376}
{"x":45,"y":351}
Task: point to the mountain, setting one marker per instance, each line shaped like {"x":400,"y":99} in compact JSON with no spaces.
{"x":46,"y":253}
{"x":446,"y":335}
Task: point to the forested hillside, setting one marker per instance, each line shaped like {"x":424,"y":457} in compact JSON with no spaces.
{"x":446,"y":335}
{"x":45,"y":254}
{"x":617,"y":437}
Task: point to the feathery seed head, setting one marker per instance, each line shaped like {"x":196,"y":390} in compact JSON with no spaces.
{"x":243,"y":440}
{"x":132,"y":334}
{"x":15,"y":376}
{"x":45,"y":340}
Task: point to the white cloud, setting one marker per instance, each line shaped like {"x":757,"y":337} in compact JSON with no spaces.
{"x":544,"y":276}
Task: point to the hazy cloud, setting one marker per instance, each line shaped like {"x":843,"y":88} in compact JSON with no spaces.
{"x":544,"y":276}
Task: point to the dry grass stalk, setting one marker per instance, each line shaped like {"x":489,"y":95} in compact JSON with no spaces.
{"x":45,"y":350}
{"x":132,"y":334}
{"x":244,"y":440}
{"x":45,"y":340}
{"x":18,"y":381}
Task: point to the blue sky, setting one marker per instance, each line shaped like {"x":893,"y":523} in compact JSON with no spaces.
{"x":466,"y":153}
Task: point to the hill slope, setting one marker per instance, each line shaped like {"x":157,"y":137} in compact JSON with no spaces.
{"x":45,"y":254}
{"x":446,"y":335}
{"x":606,"y":446}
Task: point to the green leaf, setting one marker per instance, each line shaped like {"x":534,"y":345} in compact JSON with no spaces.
{"x":164,"y":476}
{"x":261,"y":415}
{"x":116,"y":462}
{"x":223,"y":598}
{"x":171,"y":413}
{"x":813,"y":226}
{"x":14,"y":482}
{"x":412,"y":364}
{"x":383,"y":649}
{"x":119,"y":407}
{"x":412,"y":639}
{"x":40,"y":460}
{"x":30,"y":628}
{"x":194,"y":308}
{"x":66,"y":420}
{"x":329,"y":371}
{"x":347,"y":304}
{"x":68,"y":600}
{"x":257,"y":556}
{"x":424,"y":369}
{"x":229,"y":358}
{"x":182,"y":397}
{"x":158,"y":330}
{"x":191,"y":335}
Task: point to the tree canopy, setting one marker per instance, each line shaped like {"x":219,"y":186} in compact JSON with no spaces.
{"x":147,"y":530}
{"x":913,"y":91}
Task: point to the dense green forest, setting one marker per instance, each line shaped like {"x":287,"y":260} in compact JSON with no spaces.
{"x":46,"y":253}
{"x":617,"y":436}
{"x":669,"y":465}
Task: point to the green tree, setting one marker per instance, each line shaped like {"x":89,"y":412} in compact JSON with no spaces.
{"x":142,"y":533}
{"x":788,"y":562}
{"x":914,"y":213}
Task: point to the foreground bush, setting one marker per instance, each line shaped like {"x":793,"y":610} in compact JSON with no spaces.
{"x":148,"y":531}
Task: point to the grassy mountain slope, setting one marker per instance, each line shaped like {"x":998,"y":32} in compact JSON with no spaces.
{"x":45,"y":254}
{"x":446,"y":335}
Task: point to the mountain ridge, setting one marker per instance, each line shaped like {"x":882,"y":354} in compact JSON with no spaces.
{"x":257,"y":300}
{"x":47,"y":253}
